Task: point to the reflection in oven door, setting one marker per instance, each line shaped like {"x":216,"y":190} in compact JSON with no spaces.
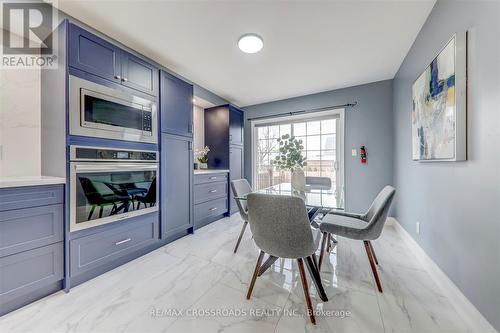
{"x":103,"y":193}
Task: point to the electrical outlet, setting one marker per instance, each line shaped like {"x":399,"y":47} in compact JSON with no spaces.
{"x":418,"y":227}
{"x":354,"y":152}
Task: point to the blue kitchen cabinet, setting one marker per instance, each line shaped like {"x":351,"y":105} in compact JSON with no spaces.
{"x":139,"y":74}
{"x":235,"y":126}
{"x":31,"y":244}
{"x":176,"y":105}
{"x":93,"y":55}
{"x":176,"y":184}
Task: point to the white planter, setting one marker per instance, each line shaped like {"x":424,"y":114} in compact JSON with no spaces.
{"x":202,"y":165}
{"x":298,"y":180}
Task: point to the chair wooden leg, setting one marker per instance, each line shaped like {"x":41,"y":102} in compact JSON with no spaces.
{"x":329,"y":244}
{"x":303,"y":278}
{"x":241,"y":236}
{"x":372,"y":265}
{"x":255,"y":273}
{"x":91,"y":212}
{"x":322,"y":253}
{"x":316,"y":278}
{"x":373,"y":252}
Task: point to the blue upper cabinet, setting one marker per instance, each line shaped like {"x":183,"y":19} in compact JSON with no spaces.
{"x":94,"y":55}
{"x":235,"y":126}
{"x":138,"y":74}
{"x":176,"y":100}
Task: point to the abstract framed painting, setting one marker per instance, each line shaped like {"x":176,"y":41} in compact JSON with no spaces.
{"x":439,"y":108}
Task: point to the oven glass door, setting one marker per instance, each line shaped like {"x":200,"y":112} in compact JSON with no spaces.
{"x":106,"y":112}
{"x":108,"y":192}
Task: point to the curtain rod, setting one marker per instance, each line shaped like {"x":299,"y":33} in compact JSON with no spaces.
{"x":306,"y":111}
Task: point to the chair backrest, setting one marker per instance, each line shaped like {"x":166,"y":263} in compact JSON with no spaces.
{"x":280,"y":225}
{"x":90,"y":191}
{"x":240,"y":188}
{"x":378,"y":211}
{"x":151,"y":195}
{"x":323,"y":182}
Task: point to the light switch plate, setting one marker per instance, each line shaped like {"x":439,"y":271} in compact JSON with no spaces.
{"x":354,"y":152}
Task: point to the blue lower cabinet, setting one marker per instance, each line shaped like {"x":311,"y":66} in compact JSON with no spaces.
{"x":31,"y":244}
{"x":176,"y":184}
{"x":27,"y":273}
{"x":210,"y":197}
{"x":97,"y":253}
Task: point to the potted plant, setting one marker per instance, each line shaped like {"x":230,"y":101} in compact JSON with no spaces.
{"x":290,"y":158}
{"x":202,"y":157}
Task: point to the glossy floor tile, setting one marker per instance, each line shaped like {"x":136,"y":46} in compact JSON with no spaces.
{"x":197,"y":284}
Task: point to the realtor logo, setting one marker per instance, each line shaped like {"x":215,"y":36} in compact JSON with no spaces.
{"x":27,"y":39}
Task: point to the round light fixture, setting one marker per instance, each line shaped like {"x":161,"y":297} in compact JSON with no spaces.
{"x":250,"y":43}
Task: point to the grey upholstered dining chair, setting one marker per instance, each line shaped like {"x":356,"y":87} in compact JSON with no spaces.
{"x":365,"y":227}
{"x":281,"y":228}
{"x":240,"y":188}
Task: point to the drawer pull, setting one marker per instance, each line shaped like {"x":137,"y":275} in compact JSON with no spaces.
{"x":123,"y":241}
{"x":213,"y":191}
{"x":213,"y":177}
{"x":212,"y":209}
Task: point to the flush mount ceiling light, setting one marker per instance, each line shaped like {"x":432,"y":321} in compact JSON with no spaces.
{"x":250,"y":43}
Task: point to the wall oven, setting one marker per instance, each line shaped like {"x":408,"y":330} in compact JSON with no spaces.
{"x":99,"y":111}
{"x":108,"y":185}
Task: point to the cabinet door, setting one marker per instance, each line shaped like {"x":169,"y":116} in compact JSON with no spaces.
{"x":139,"y":74}
{"x":93,"y":54}
{"x":235,"y":171}
{"x":235,"y":126}
{"x":176,"y":184}
{"x":176,"y":105}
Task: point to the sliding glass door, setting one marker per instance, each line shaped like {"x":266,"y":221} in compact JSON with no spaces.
{"x":322,"y":137}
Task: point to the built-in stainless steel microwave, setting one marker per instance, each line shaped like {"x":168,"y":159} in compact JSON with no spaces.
{"x":102,"y":112}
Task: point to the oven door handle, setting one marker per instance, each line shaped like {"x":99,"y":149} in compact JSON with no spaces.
{"x":102,"y":167}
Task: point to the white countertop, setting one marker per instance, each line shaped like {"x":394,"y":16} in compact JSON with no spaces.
{"x":208,"y":171}
{"x":6,"y":182}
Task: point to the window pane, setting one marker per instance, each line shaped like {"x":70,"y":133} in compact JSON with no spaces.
{"x":313,"y":127}
{"x":328,"y":142}
{"x":274,"y":145}
{"x":299,"y":129}
{"x":274,"y":132}
{"x":263,"y":145}
{"x":313,"y":142}
{"x":285,"y":129}
{"x":328,"y":126}
{"x":328,"y":155}
{"x":313,"y":163}
{"x":262,"y":132}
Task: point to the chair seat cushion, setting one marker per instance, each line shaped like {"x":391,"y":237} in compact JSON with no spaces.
{"x":344,"y":226}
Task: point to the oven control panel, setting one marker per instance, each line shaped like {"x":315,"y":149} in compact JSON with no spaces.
{"x":108,"y":154}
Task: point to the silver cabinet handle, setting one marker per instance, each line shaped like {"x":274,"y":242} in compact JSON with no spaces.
{"x":118,"y":77}
{"x":213,"y":191}
{"x":124,"y":79}
{"x":213,"y":177}
{"x":123,"y":241}
{"x":212,"y":209}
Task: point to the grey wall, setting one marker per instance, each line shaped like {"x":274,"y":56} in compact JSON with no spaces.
{"x":369,"y":123}
{"x":457,"y":203}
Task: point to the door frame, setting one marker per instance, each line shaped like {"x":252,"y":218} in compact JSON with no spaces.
{"x":340,"y":144}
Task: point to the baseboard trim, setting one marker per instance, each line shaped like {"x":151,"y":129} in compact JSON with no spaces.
{"x":465,"y":309}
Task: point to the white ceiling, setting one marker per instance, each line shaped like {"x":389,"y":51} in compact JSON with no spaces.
{"x":309,"y":46}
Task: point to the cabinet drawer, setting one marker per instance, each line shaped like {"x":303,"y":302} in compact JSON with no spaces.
{"x":23,"y":273}
{"x":210,"y":191}
{"x":99,"y":249}
{"x":31,"y":196}
{"x":28,"y":228}
{"x":210,"y":178}
{"x":210,"y":209}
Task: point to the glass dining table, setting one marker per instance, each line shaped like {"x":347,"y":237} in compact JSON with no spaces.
{"x":316,"y":197}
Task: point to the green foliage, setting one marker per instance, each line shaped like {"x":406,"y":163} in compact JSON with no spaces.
{"x":290,"y":156}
